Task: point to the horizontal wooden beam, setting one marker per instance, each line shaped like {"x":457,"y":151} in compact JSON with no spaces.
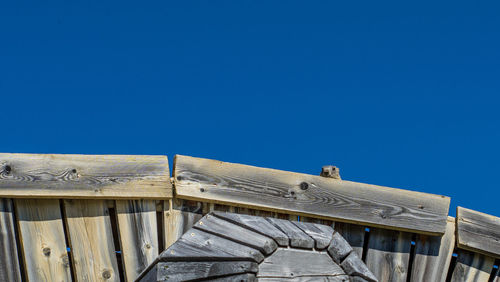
{"x":478,"y":232}
{"x":84,"y":176}
{"x":309,"y":195}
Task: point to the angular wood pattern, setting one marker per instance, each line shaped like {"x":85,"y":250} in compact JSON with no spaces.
{"x":225,"y":246}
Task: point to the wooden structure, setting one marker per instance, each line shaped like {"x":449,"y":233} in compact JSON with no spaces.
{"x":107,"y":218}
{"x":235,"y":247}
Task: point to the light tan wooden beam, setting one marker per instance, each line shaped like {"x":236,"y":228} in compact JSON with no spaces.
{"x":478,"y":232}
{"x":84,"y":176}
{"x":309,"y":195}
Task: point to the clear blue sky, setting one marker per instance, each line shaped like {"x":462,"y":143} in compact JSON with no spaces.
{"x":402,"y":95}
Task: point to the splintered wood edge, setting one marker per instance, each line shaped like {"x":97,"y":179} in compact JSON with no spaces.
{"x":478,"y":243}
{"x":443,"y":202}
{"x":66,"y":176}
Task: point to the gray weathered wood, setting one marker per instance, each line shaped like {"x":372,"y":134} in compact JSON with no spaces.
{"x":209,"y":245}
{"x":84,"y":176}
{"x":257,"y":224}
{"x":322,"y":234}
{"x":138,"y":235}
{"x":388,"y":254}
{"x":339,"y":248}
{"x":309,"y":195}
{"x":353,"y":234}
{"x":290,"y":263}
{"x":236,"y":233}
{"x":338,"y":278}
{"x":298,"y":238}
{"x":184,"y":271}
{"x":472,"y":267}
{"x":478,"y":232}
{"x":177,"y":222}
{"x":248,"y":277}
{"x":433,"y":255}
{"x":9,"y":260}
{"x":353,"y":266}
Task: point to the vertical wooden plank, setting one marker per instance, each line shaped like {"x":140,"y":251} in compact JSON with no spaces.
{"x":472,"y":267}
{"x":177,"y":222}
{"x":354,"y":234}
{"x":9,"y":266}
{"x":138,"y":235}
{"x":43,"y":242}
{"x":91,"y":240}
{"x":433,"y":255}
{"x":388,"y":254}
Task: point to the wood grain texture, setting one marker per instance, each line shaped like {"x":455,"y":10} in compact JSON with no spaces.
{"x":298,"y":238}
{"x":322,"y":234}
{"x":478,"y":232}
{"x":84,"y":176}
{"x":472,"y":267}
{"x":238,"y":234}
{"x":309,"y":195}
{"x":138,"y":235}
{"x":43,"y":241}
{"x":9,"y":260}
{"x":433,"y":254}
{"x":177,"y":223}
{"x":353,"y":234}
{"x":388,"y":254}
{"x":257,"y":224}
{"x":91,"y":240}
{"x":185,"y":271}
{"x":291,"y":263}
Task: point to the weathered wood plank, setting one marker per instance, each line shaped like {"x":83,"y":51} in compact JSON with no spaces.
{"x":433,"y":255}
{"x":472,"y":267}
{"x":298,"y":238}
{"x":185,"y":271}
{"x":84,"y":176}
{"x":291,"y":263}
{"x":177,"y":223}
{"x":388,"y":254}
{"x":322,"y":234}
{"x":200,"y":245}
{"x":91,"y":240}
{"x":257,"y":224}
{"x":237,"y":233}
{"x":353,"y":266}
{"x":43,"y":241}
{"x":309,"y":195}
{"x":138,"y":235}
{"x":354,"y":234}
{"x":478,"y":232}
{"x":338,"y":278}
{"x":248,"y":277}
{"x":9,"y":260}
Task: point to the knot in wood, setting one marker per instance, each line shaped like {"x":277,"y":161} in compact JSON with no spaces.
{"x":106,"y":274}
{"x":304,"y":186}
{"x":46,"y":252}
{"x":330,"y":171}
{"x":7,"y":169}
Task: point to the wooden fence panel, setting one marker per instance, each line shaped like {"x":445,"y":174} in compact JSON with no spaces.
{"x":478,"y":232}
{"x":84,"y":176}
{"x":388,"y":254}
{"x":138,"y":233}
{"x":309,"y":195}
{"x":353,"y":234}
{"x":43,"y":240}
{"x":9,"y":266}
{"x":177,"y":222}
{"x":472,"y":267}
{"x":91,"y":240}
{"x":433,"y":255}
